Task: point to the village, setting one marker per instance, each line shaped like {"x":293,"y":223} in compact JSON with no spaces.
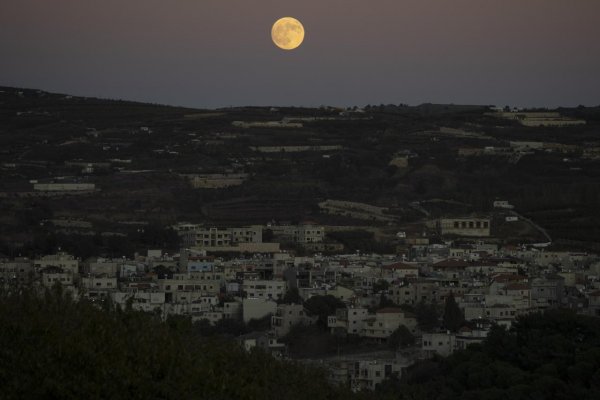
{"x":396,"y":305}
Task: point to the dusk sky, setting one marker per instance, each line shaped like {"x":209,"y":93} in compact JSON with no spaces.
{"x":214,"y":53}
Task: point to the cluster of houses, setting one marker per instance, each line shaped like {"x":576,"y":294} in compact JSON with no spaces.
{"x":490,"y":284}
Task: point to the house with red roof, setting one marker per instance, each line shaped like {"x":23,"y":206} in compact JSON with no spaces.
{"x":399,"y":270}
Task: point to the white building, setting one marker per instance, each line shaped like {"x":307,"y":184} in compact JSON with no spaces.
{"x":366,"y":374}
{"x":503,"y":204}
{"x":140,"y":301}
{"x":101,"y":266}
{"x":254,"y":308}
{"x":264,"y":289}
{"x":349,"y":320}
{"x":201,"y":237}
{"x":288,"y":315}
{"x":473,"y":227}
{"x":299,"y":233}
{"x":386,"y":321}
{"x":53,"y":275}
{"x":446,"y":343}
{"x":18,"y":271}
{"x":61,"y":260}
{"x":98,"y":286}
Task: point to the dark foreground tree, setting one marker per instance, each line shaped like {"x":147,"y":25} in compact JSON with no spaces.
{"x":427,"y":316}
{"x":54,"y":347}
{"x":401,"y":337}
{"x":555,"y":355}
{"x":453,"y":316}
{"x":323,"y":306}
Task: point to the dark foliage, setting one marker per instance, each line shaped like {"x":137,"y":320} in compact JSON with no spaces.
{"x":401,"y":337}
{"x":453,"y":316}
{"x":323,"y":306}
{"x":427,"y":316}
{"x":555,"y":355}
{"x":54,"y":347}
{"x":292,"y":296}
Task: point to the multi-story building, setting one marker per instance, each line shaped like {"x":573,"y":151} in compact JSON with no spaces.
{"x":257,"y":308}
{"x":201,"y":283}
{"x":98,"y":286}
{"x":547,"y":292}
{"x":264,"y":289}
{"x":61,"y":260}
{"x":348,"y":320}
{"x":53,"y":275}
{"x":265,"y":341}
{"x":202,"y":237}
{"x":446,"y":343}
{"x":386,"y":321}
{"x":298,"y":233}
{"x":16,"y":272}
{"x":140,"y":301}
{"x":101,"y":266}
{"x":288,"y":315}
{"x":365,"y":375}
{"x":467,"y":226}
{"x":414,"y":292}
{"x":442,"y":343}
{"x":399,"y":270}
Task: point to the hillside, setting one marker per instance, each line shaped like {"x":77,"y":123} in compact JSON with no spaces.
{"x":155,"y":165}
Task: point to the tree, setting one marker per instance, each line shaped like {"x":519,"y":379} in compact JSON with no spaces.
{"x":380,"y":286}
{"x":384,"y":302}
{"x":162,"y":271}
{"x":427,"y":316}
{"x":453,"y":316}
{"x":323,"y":306}
{"x":292,"y":296}
{"x":401,"y":337}
{"x":55,"y":336}
{"x":229,"y":326}
{"x":259,"y":324}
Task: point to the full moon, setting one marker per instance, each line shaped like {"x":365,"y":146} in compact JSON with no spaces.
{"x":287,"y":33}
